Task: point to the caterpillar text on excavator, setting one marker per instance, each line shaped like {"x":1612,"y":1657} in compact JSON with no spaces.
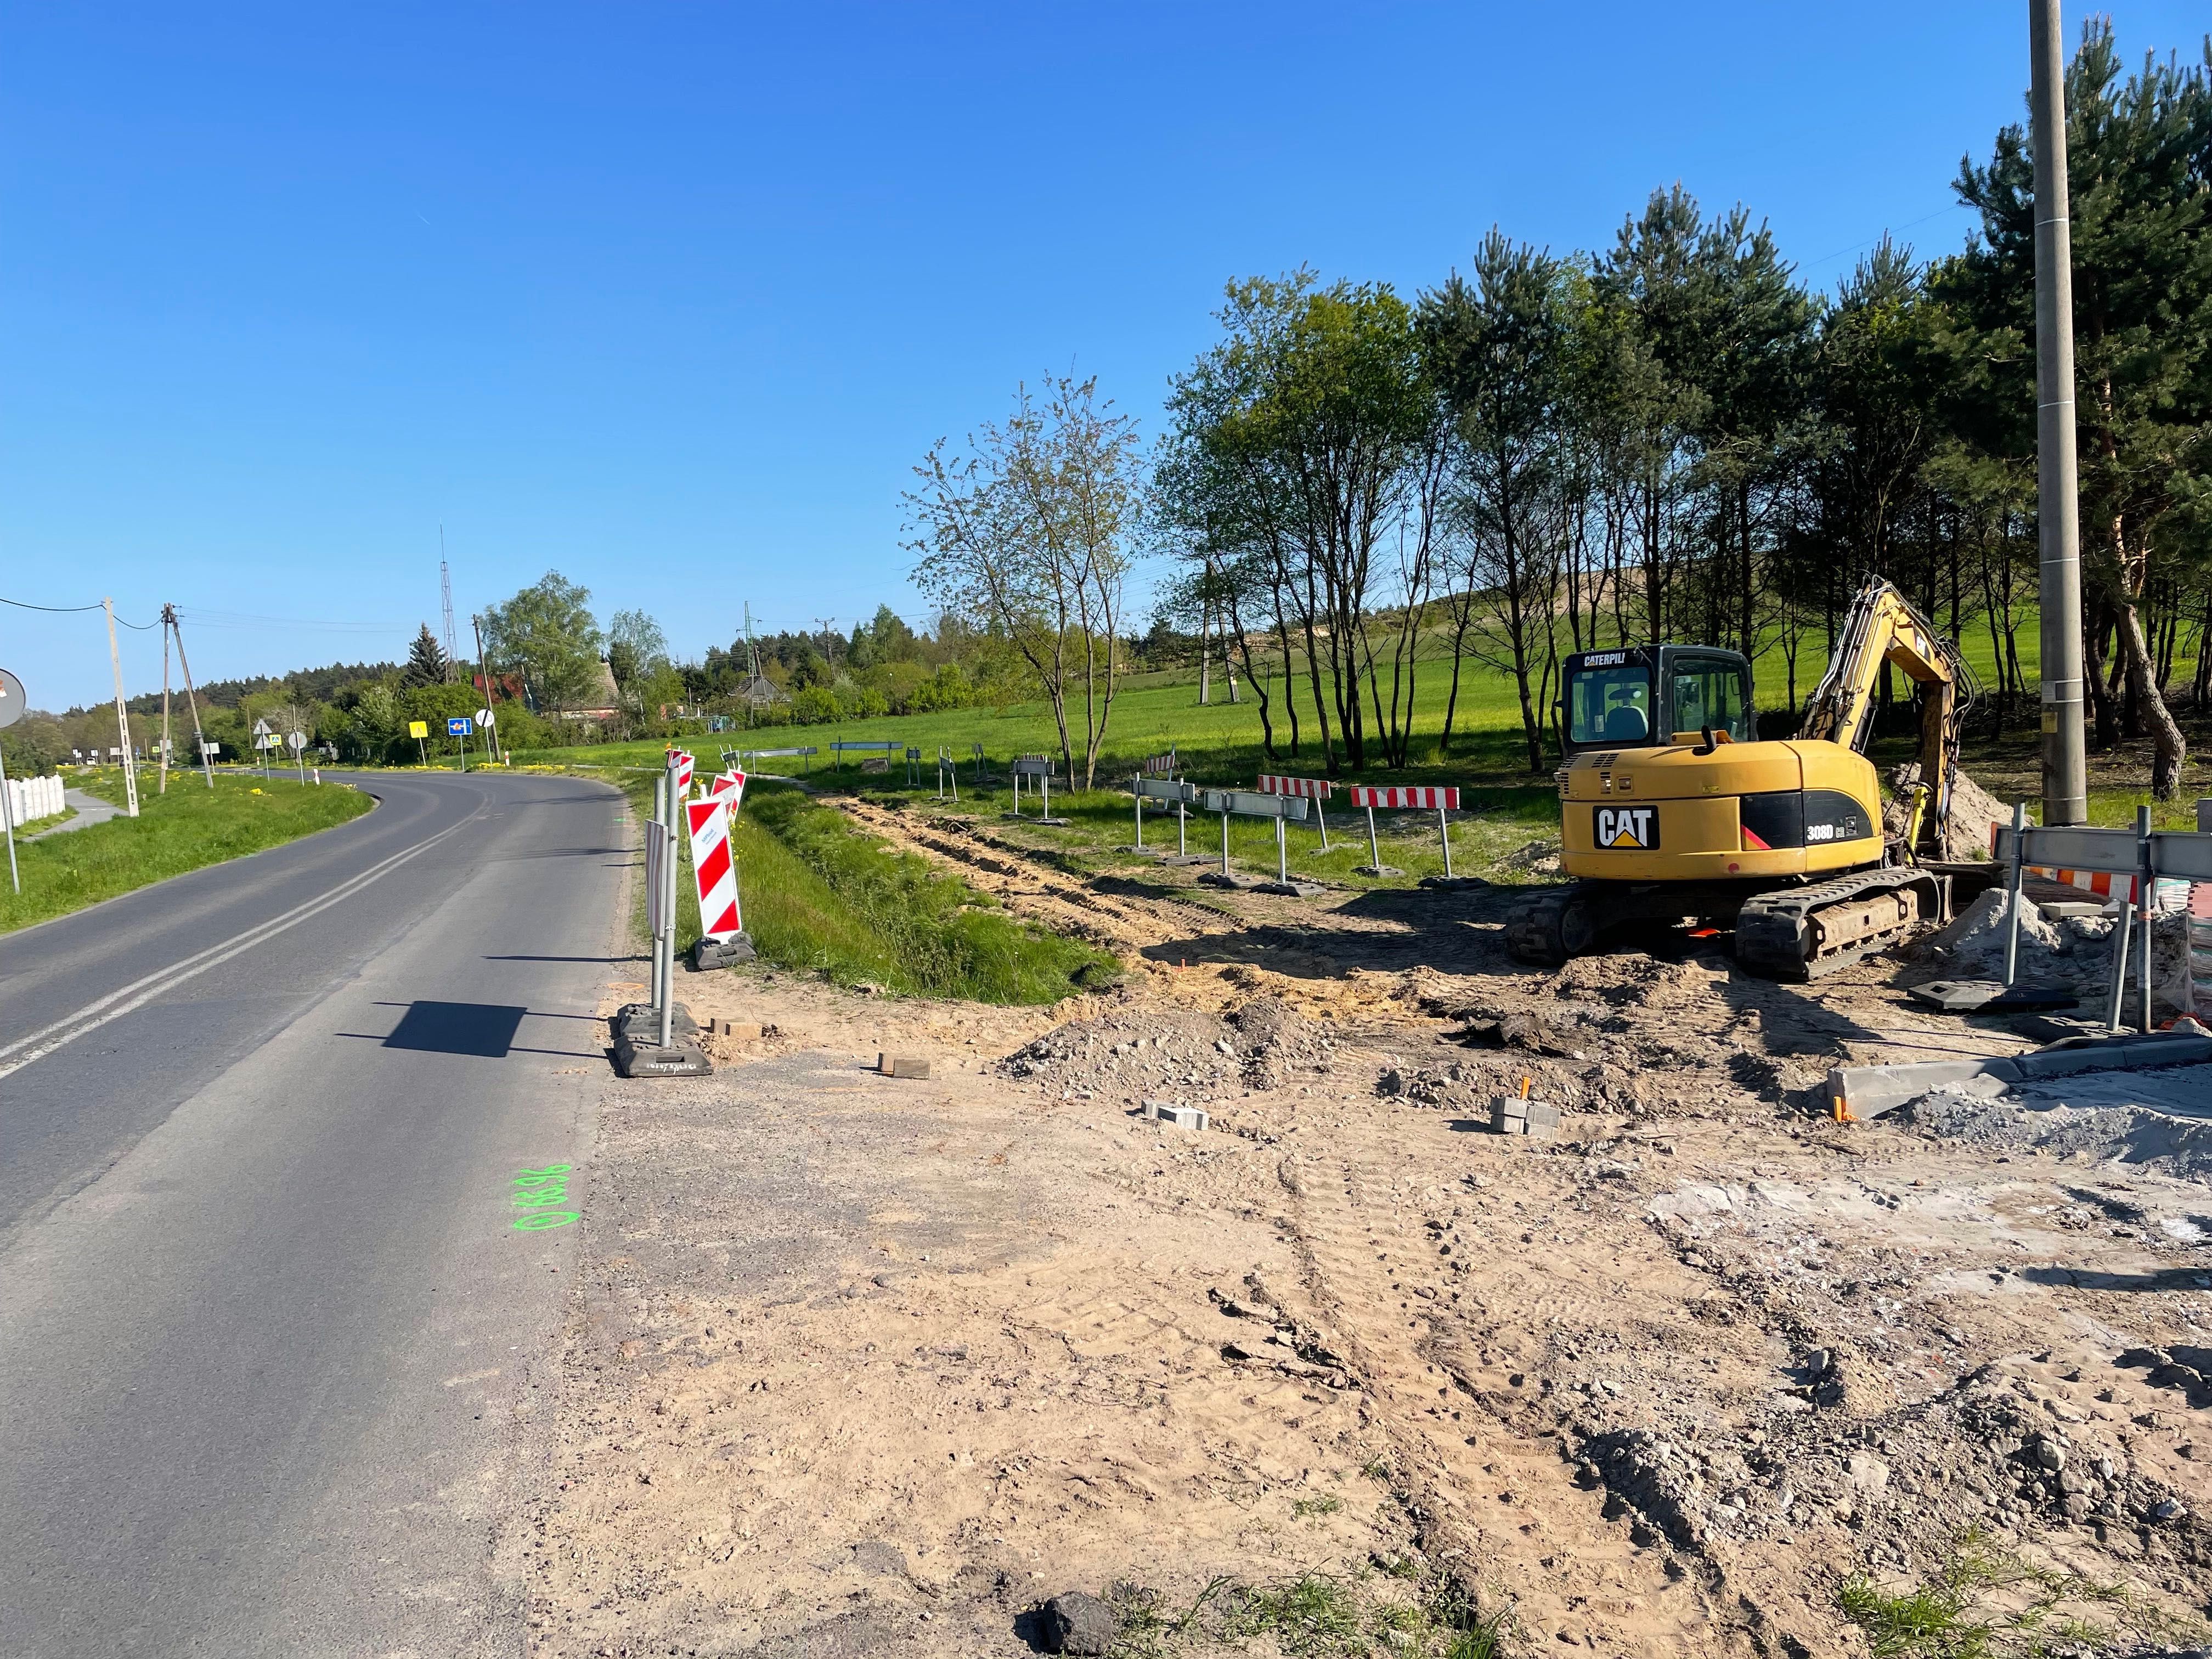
{"x":1673,"y":812}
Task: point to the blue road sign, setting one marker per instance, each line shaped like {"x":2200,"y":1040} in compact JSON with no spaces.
{"x":460,"y":725}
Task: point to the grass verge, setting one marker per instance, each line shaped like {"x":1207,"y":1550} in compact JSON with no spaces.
{"x":1316,"y":1616}
{"x":1986,"y":1604}
{"x":183,"y":831}
{"x":820,"y":896}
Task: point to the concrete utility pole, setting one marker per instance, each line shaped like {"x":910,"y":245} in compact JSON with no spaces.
{"x":122,"y":720}
{"x":2057,"y":477}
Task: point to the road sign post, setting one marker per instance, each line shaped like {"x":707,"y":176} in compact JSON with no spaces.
{"x":297,"y":743}
{"x":420,"y":730}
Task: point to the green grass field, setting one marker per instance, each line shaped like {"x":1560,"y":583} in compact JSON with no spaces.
{"x":820,"y":896}
{"x":185,"y":830}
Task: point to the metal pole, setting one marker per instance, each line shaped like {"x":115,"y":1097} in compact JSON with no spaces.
{"x":1225,"y":842}
{"x":1182,"y":843}
{"x":2057,"y":481}
{"x":1444,"y":829}
{"x":1374,"y":848}
{"x":1282,"y":852}
{"x":122,"y":721}
{"x":2019,"y":872}
{"x":2121,"y":936}
{"x":2144,"y":883}
{"x":7,"y":819}
{"x":1322,"y":817}
{"x":653,"y":828}
{"x":668,"y":916}
{"x":1138,"y":786}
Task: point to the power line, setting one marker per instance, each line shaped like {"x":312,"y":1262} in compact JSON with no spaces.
{"x":58,"y":609}
{"x":68,"y":609}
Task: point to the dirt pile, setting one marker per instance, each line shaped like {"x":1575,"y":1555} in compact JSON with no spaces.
{"x":1973,"y":810}
{"x":1148,"y":1051}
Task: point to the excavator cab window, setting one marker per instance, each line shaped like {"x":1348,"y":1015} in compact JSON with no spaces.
{"x":1609,"y":703}
{"x":1709,"y":690}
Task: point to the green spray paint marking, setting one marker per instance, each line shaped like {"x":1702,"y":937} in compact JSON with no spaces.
{"x":536,"y":1192}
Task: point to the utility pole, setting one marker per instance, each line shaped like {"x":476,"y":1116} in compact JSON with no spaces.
{"x":2058,"y":478}
{"x":122,"y":720}
{"x":191,"y":700}
{"x":497,"y":746}
{"x":164,"y":788}
{"x":829,"y":641}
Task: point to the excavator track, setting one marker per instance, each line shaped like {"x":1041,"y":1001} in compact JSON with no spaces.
{"x":1808,"y":933}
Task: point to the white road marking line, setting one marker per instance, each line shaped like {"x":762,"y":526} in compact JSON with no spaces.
{"x":27,"y":1050}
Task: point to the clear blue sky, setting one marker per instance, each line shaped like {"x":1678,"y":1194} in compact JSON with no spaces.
{"x":670,"y":297}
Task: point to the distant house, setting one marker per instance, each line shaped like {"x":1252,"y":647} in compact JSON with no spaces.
{"x":604,"y":697}
{"x":760,"y":692}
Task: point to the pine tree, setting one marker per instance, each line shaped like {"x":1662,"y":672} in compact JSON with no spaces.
{"x":426,"y":660}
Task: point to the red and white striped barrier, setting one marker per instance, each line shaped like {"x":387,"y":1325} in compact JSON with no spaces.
{"x":1315,"y":790}
{"x":712,"y":868}
{"x":729,"y":785}
{"x":1406,"y":798}
{"x":683,"y":765}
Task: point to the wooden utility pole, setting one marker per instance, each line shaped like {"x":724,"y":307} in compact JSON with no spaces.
{"x":191,"y":700}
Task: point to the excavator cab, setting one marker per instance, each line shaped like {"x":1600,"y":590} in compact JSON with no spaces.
{"x":1654,"y":695}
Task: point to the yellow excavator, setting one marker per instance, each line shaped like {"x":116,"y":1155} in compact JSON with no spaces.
{"x":1672,"y":811}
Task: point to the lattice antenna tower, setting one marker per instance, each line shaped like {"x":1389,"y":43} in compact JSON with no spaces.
{"x":446,"y":599}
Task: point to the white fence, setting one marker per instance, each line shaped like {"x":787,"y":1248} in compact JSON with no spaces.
{"x":30,"y":799}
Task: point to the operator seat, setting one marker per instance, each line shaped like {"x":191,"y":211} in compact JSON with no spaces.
{"x":1626,"y":725}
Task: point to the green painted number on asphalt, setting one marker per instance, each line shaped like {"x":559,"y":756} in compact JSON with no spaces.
{"x":536,"y":1191}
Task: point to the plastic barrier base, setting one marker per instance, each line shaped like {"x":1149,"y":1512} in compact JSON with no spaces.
{"x":712,"y":953}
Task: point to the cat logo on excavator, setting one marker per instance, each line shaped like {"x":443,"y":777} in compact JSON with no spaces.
{"x":1627,"y":826}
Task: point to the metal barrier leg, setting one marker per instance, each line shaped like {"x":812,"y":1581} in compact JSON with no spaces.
{"x":2019,"y":871}
{"x":2146,"y":883}
{"x":1444,"y":830}
{"x":1140,"y":813}
{"x":1374,"y":848}
{"x":1183,"y":841}
{"x":1224,"y":843}
{"x":1282,"y":854}
{"x":1321,"y":818}
{"x":2123,"y":935}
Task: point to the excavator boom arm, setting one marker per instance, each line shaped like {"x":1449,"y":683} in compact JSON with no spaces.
{"x":1883,"y":626}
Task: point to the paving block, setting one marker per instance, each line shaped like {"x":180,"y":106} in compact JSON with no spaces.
{"x":1293,"y":889}
{"x":1183,"y":1117}
{"x":902,"y":1066}
{"x":1511,"y":1115}
{"x":737,"y":1030}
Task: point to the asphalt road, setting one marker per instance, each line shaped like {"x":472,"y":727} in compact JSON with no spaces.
{"x":271,"y":1349}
